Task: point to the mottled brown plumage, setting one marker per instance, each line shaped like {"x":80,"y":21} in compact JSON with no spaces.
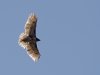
{"x":28,"y":39}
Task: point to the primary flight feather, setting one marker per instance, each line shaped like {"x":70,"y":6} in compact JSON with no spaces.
{"x":28,"y":39}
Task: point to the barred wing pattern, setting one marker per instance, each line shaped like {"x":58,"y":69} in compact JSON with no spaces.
{"x":28,"y":39}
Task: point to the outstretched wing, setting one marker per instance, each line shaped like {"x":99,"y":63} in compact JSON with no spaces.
{"x":32,"y":50}
{"x":30,"y":45}
{"x":30,"y":26}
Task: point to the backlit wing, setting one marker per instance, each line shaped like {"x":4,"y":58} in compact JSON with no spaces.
{"x":30,"y":26}
{"x":32,"y":50}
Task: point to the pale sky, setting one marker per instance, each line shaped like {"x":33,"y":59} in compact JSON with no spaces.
{"x":69,"y":31}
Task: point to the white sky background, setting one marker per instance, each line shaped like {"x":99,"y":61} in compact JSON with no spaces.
{"x":69,"y":31}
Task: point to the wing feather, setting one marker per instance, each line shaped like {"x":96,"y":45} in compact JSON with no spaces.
{"x":30,"y":26}
{"x":32,"y":50}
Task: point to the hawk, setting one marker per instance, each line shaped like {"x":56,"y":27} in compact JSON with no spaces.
{"x":28,"y":39}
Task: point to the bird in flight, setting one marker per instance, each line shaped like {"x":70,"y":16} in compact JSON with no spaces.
{"x":28,"y":39}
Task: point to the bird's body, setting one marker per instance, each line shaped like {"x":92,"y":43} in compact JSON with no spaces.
{"x":28,"y":39}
